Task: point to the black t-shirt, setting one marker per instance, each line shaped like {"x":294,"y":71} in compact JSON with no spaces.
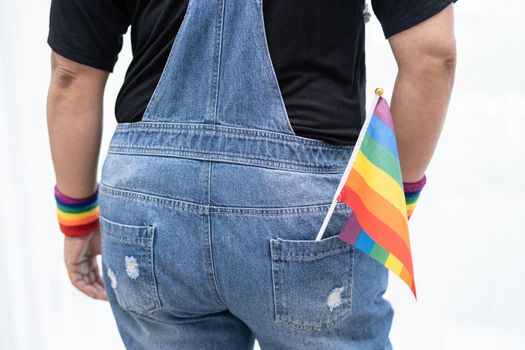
{"x":316,"y":47}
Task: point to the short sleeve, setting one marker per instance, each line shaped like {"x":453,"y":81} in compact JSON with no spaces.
{"x":398,"y":15}
{"x":89,"y":32}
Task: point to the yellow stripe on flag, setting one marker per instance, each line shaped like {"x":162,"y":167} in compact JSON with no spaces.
{"x":394,"y":264}
{"x":380,"y":182}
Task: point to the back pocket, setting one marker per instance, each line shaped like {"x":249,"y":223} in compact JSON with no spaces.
{"x":312,"y":282}
{"x":127,"y":256}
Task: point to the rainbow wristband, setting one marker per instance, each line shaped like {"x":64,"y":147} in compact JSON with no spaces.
{"x":77,"y":217}
{"x":412,"y":191}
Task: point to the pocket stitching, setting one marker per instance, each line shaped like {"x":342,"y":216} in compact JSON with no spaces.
{"x":307,"y":256}
{"x":277,"y":278}
{"x":153,"y":281}
{"x":311,"y":256}
{"x":146,"y":243}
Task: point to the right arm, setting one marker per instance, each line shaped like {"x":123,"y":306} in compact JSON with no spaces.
{"x":426,"y":60}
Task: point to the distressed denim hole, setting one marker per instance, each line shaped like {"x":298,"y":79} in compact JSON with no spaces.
{"x":312,"y":282}
{"x":128,"y":251}
{"x":132,"y":267}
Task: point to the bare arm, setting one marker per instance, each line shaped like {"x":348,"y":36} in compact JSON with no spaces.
{"x":74,"y":119}
{"x":426,"y":58}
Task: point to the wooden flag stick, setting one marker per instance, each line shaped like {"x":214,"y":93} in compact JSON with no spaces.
{"x":355,"y":150}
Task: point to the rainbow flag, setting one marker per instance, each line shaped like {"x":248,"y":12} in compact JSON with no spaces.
{"x":373,"y":189}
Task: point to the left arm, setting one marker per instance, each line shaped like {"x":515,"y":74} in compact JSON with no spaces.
{"x":74,"y":119}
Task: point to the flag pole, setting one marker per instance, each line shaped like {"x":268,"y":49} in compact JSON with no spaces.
{"x":378,"y":93}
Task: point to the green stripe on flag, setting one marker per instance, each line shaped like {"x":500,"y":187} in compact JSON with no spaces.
{"x":379,"y":253}
{"x":382,"y":158}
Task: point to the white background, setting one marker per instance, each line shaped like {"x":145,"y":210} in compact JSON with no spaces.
{"x":468,"y":237}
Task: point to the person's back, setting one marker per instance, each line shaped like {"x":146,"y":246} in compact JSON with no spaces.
{"x":236,"y":121}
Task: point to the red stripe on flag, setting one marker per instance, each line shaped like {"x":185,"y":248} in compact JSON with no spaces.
{"x":377,"y":230}
{"x":386,"y":212}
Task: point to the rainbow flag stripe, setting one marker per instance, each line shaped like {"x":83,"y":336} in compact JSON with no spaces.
{"x":378,"y":222}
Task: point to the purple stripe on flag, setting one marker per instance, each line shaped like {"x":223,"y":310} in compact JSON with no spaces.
{"x":350,"y":230}
{"x":383,"y":112}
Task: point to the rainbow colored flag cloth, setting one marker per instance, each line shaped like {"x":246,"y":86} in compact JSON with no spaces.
{"x":372,"y":187}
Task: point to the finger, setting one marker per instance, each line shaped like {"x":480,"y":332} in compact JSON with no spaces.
{"x":87,"y":289}
{"x":89,"y":278}
{"x":100,"y":285}
{"x":99,"y":280}
{"x":101,"y":292}
{"x":88,"y":285}
{"x":89,"y":272}
{"x":96,"y":277}
{"x":82,"y":265}
{"x":95,"y":291}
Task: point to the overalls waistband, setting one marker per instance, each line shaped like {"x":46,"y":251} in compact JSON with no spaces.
{"x":230,"y":144}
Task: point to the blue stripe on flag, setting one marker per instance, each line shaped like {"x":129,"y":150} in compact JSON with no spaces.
{"x":382,"y":134}
{"x":364,"y":242}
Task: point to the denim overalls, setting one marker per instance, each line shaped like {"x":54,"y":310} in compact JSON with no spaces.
{"x":210,"y":206}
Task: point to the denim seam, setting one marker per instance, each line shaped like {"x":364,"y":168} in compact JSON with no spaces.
{"x":128,"y":240}
{"x":219,"y":27}
{"x":148,"y":317}
{"x":274,"y":290}
{"x":265,"y":134}
{"x":314,"y":208}
{"x":242,"y":139}
{"x":333,"y":247}
{"x":290,"y":322}
{"x":276,"y":282}
{"x":205,"y":209}
{"x":215,"y":288}
{"x":311,"y":256}
{"x":223,"y":157}
{"x":152,"y":230}
{"x":163,"y":201}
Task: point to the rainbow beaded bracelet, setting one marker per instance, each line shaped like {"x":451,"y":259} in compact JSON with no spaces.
{"x":412,"y":192}
{"x":77,"y":217}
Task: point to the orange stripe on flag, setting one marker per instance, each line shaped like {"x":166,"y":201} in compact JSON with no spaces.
{"x":408,"y":278}
{"x":381,"y":208}
{"x":380,"y":181}
{"x":378,"y":231}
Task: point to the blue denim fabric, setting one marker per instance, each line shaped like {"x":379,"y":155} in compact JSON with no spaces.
{"x":210,"y":206}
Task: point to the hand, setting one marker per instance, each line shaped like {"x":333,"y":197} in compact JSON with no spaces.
{"x":80,"y":255}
